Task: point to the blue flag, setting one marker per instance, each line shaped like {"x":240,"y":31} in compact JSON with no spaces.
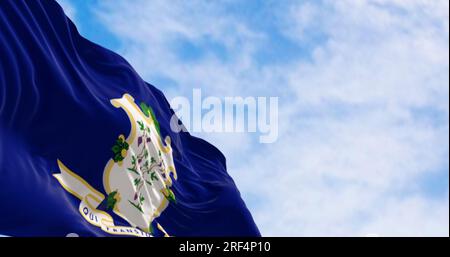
{"x":86,"y":145}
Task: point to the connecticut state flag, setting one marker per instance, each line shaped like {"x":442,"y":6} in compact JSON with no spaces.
{"x":86,"y":145}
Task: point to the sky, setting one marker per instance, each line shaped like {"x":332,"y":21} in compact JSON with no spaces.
{"x":363,"y":89}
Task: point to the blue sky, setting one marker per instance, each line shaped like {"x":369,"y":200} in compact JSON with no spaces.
{"x":364,"y":96}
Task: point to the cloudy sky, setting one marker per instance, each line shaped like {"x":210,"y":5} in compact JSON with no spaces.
{"x":363,"y":88}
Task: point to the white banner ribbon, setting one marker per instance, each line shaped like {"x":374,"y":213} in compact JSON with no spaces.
{"x":90,"y":200}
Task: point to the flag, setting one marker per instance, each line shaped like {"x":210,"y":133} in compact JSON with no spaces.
{"x":86,"y":146}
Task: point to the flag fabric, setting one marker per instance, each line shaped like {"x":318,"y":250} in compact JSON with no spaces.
{"x":86,"y":146}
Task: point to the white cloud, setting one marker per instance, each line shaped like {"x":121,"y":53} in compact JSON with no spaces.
{"x":414,"y":216}
{"x":361,"y":121}
{"x":152,"y":31}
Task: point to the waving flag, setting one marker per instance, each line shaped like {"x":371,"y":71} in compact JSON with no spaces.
{"x":86,"y":145}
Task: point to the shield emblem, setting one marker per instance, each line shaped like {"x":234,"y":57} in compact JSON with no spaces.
{"x":137,"y":178}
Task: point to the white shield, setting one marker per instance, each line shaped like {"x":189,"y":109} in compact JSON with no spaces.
{"x":142,"y":178}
